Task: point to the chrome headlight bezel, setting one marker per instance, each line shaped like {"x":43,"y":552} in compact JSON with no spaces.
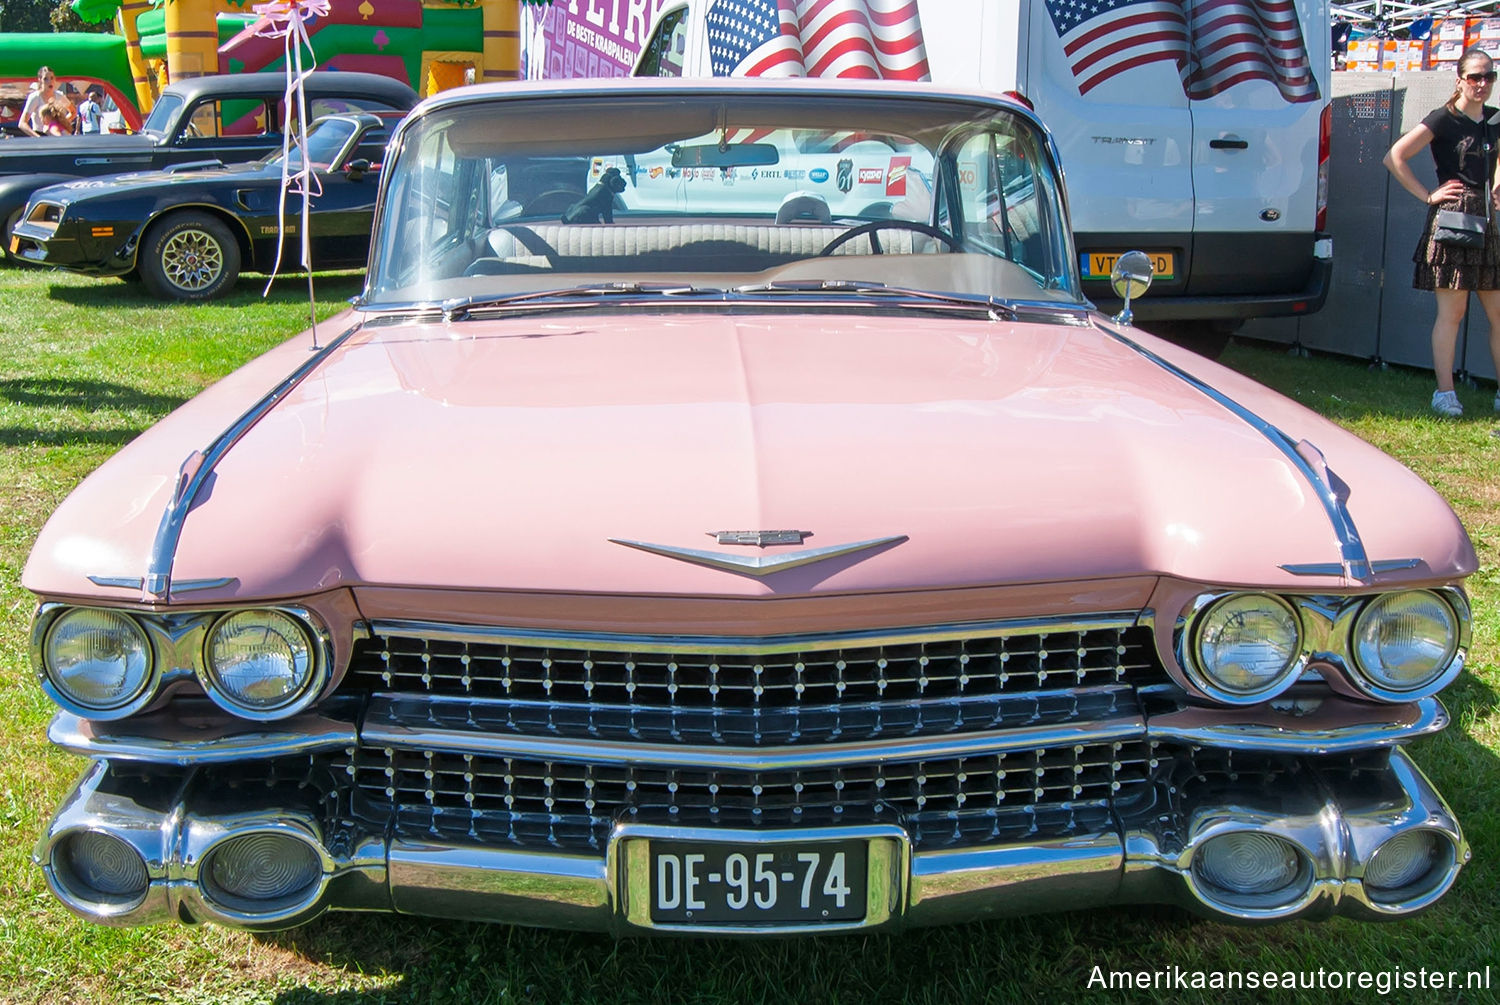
{"x":311,"y":687}
{"x":42,"y":634}
{"x":1366,"y":681}
{"x":1202,"y":679}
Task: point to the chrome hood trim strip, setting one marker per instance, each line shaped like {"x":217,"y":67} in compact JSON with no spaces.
{"x":1354,"y":563}
{"x":199,"y":465}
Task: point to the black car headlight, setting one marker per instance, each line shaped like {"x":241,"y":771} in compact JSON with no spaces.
{"x":1244,"y":648}
{"x":262,"y":664}
{"x":1404,"y":645}
{"x":97,"y":663}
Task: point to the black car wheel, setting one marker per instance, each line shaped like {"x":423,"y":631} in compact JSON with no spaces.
{"x":189,"y":256}
{"x":10,"y":225}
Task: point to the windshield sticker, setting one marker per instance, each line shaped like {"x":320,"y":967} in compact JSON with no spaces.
{"x":895,"y":177}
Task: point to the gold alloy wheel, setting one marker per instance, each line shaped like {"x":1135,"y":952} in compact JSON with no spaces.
{"x":192,"y":259}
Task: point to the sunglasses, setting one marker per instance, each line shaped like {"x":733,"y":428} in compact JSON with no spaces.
{"x":1481,"y":78}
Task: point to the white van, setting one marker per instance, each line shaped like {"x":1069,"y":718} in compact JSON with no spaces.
{"x":1226,"y":189}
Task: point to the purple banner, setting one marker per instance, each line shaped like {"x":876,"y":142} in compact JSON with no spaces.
{"x":586,"y":38}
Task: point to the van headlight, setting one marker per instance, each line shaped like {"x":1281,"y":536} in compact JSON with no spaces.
{"x":1404,"y":645}
{"x":261,"y":664}
{"x":1244,"y":648}
{"x":97,"y":663}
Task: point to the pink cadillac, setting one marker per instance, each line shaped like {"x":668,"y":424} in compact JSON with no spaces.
{"x":722,"y":512}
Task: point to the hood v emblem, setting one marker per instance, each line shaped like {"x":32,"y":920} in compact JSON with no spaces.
{"x":758,"y":565}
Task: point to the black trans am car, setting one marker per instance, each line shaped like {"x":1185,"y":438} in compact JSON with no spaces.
{"x":223,"y":117}
{"x":187,"y":233}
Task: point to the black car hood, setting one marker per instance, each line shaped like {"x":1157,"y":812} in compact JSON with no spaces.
{"x":135,"y":182}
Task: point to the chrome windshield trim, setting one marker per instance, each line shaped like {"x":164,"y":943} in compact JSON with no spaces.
{"x":1302,"y":455}
{"x":159,"y":741}
{"x":199,"y":465}
{"x":747,"y":644}
{"x":878,"y":751}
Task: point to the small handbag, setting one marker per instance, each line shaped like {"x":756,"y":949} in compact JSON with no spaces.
{"x":1459,"y":230}
{"x":1465,"y":230}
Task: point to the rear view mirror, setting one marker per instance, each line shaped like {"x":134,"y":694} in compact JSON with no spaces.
{"x":726,"y":155}
{"x":355,"y":169}
{"x":1131,"y":278}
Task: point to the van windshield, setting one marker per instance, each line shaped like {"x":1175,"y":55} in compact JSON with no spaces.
{"x":497,"y":195}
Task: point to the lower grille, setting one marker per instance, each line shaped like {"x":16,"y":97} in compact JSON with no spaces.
{"x":559,"y":804}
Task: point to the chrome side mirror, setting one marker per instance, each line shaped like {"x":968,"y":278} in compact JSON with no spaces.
{"x":1131,"y":278}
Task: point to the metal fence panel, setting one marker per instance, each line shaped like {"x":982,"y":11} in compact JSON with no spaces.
{"x":1372,"y":310}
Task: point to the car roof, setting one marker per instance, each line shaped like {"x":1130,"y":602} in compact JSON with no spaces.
{"x":322,"y":84}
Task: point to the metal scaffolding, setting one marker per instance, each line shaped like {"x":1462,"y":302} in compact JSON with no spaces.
{"x":1384,"y":18}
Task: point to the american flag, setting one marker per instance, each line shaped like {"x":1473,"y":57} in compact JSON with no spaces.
{"x":1215,"y":44}
{"x":1104,"y":37}
{"x":1235,"y":40}
{"x":817,"y":38}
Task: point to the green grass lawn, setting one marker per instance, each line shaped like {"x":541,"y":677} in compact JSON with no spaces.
{"x":86,"y":365}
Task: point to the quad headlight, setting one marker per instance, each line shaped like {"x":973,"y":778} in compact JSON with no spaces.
{"x":261,"y":664}
{"x":97,"y":663}
{"x":1404,"y":645}
{"x":1244,"y":648}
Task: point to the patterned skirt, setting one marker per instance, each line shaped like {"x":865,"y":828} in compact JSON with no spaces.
{"x":1445,"y":267}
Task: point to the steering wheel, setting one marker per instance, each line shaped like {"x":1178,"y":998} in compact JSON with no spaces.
{"x":875,"y":225}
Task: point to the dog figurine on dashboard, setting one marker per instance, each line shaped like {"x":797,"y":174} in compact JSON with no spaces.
{"x":599,"y":202}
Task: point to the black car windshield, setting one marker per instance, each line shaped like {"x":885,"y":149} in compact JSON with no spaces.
{"x":493,"y":195}
{"x":326,"y":140}
{"x":163,"y":114}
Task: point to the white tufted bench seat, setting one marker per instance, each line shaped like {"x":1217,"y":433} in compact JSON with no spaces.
{"x":699,"y":247}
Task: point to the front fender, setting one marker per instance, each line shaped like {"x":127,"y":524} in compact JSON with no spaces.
{"x":16,"y":190}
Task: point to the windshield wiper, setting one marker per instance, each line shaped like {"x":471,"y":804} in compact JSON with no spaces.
{"x":996,"y":309}
{"x":569,"y":296}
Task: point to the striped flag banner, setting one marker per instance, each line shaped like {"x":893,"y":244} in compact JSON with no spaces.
{"x":1215,"y":44}
{"x":1235,"y":40}
{"x":872,"y":39}
{"x":1102,"y":38}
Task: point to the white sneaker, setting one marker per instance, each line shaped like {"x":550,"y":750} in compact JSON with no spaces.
{"x":1497,"y":401}
{"x":1446,"y":403}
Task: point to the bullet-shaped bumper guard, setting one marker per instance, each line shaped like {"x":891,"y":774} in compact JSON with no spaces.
{"x":1145,"y":860}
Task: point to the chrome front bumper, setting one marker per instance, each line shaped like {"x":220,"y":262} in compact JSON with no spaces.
{"x":1335,"y":826}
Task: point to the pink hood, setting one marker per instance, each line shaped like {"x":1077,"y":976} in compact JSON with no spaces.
{"x":504,"y":455}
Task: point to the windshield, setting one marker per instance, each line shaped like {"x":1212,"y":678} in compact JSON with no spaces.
{"x":498,"y":196}
{"x":325,"y":142}
{"x":162,"y":114}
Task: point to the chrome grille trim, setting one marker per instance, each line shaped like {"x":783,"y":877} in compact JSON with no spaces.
{"x":394,"y":726}
{"x":750,"y":645}
{"x":728,"y":727}
{"x":774,"y":686}
{"x":948,"y":799}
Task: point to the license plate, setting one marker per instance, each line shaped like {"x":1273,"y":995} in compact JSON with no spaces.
{"x":1099,"y":264}
{"x":799,"y":883}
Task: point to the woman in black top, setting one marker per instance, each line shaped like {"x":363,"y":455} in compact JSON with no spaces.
{"x":1463,"y":145}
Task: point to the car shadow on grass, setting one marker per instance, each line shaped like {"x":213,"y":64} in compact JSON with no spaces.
{"x":288,"y":288}
{"x":63,"y":398}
